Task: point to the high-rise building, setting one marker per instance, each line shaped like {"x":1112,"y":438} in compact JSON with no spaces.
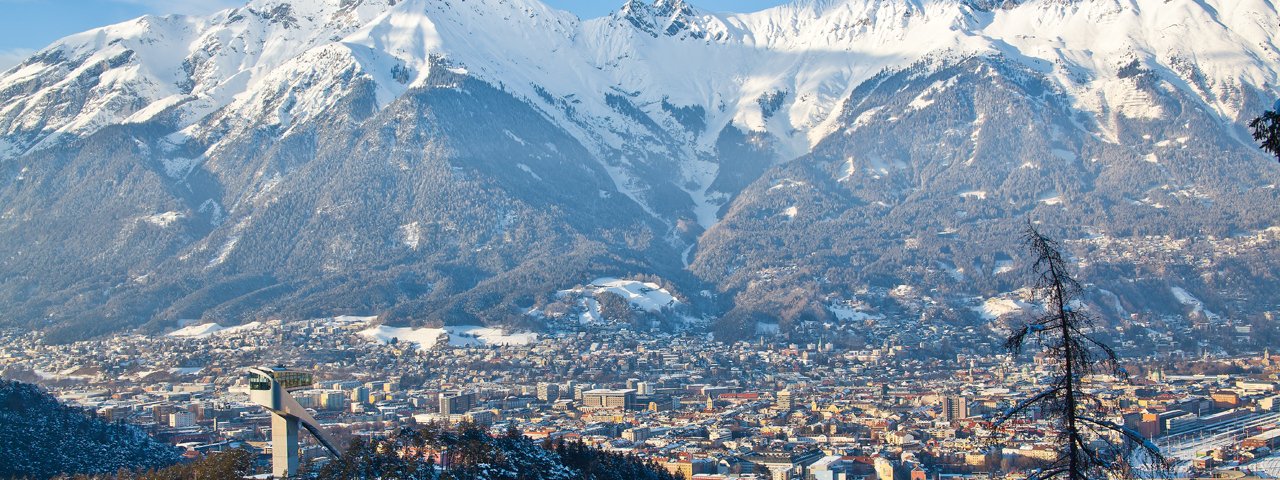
{"x":548,"y":392}
{"x":181,"y":419}
{"x":784,"y":400}
{"x":884,"y":468}
{"x":202,"y":411}
{"x":307,"y":399}
{"x":333,"y":400}
{"x":637,"y":434}
{"x":360,"y":395}
{"x":161,"y":413}
{"x":456,"y":403}
{"x":604,"y":398}
{"x":954,"y":408}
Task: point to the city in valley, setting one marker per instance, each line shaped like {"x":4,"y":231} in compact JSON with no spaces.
{"x":707,"y":410}
{"x":639,"y":239}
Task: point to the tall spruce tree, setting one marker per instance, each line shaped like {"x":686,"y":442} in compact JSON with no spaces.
{"x":1065,"y":335}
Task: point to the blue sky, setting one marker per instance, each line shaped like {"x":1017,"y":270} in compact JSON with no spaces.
{"x":28,"y":25}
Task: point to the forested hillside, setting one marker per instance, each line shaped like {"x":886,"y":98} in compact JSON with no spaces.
{"x":42,"y":438}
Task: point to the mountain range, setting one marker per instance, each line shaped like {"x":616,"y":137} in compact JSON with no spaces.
{"x":462,"y":161}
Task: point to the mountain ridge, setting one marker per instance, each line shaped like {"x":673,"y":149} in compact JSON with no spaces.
{"x":641,"y":134}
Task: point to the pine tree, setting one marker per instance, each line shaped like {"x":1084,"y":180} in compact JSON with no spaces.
{"x":1266,"y":130}
{"x":1065,"y":335}
{"x":234,"y":463}
{"x":369,"y":459}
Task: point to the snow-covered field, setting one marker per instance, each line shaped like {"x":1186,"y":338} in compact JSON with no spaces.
{"x":421,"y":338}
{"x":350,"y":319}
{"x":643,"y":295}
{"x":1187,"y":299}
{"x":477,"y":336}
{"x":458,"y":336}
{"x":197,"y":331}
{"x":848,"y":313}
{"x":995,"y":308}
{"x":210,"y":329}
{"x":172,"y":371}
{"x":646,"y":296}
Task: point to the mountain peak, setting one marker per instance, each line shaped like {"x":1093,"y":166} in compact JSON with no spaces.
{"x":397,"y":136}
{"x":663,"y":17}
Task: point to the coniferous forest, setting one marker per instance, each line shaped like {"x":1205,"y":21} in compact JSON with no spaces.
{"x":42,"y":438}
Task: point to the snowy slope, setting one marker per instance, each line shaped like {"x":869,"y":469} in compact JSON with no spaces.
{"x":270,"y":148}
{"x":212,"y":329}
{"x":197,"y":331}
{"x":136,"y":70}
{"x":644,"y":296}
{"x":784,"y":71}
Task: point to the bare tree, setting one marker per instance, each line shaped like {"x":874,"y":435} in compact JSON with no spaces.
{"x":1065,"y":334}
{"x":1266,"y":130}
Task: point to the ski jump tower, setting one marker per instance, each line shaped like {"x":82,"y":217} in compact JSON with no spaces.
{"x":270,"y":387}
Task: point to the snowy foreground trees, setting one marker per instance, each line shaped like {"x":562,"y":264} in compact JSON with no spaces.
{"x":1089,"y":446}
{"x":40,"y":438}
{"x":468,"y":452}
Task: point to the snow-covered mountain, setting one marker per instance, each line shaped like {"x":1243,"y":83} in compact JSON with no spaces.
{"x":286,"y":151}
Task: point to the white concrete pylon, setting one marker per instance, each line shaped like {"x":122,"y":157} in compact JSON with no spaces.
{"x":270,"y":387}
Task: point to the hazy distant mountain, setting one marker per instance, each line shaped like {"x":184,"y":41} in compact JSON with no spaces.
{"x":461,"y":161}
